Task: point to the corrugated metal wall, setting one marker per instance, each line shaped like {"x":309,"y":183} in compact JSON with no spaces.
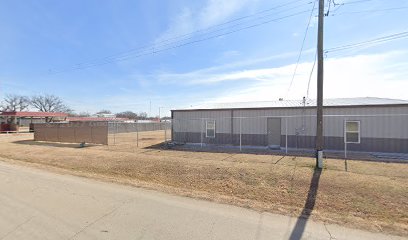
{"x":254,"y":121}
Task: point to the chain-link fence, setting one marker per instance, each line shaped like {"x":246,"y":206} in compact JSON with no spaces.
{"x":139,"y":134}
{"x":380,"y":135}
{"x":343,"y":134}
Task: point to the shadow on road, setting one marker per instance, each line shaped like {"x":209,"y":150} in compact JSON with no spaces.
{"x":300,"y":225}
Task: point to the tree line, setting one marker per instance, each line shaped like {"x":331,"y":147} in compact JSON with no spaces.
{"x":42,"y":103}
{"x":127,"y":114}
{"x":52,"y":103}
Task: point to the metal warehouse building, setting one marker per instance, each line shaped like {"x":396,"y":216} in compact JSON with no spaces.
{"x":354,"y":124}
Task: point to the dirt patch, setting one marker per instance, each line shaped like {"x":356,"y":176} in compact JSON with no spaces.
{"x":370,"y":195}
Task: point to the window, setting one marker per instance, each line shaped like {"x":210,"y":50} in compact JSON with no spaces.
{"x":210,"y":129}
{"x":352,"y":132}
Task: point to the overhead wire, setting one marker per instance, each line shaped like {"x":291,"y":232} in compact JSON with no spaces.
{"x":191,"y":36}
{"x":310,"y":76}
{"x":355,"y":2}
{"x":216,"y":25}
{"x":157,"y":48}
{"x":339,"y":5}
{"x":186,"y":36}
{"x":371,"y":11}
{"x":237,"y":19}
{"x":149,"y":48}
{"x":369,"y":42}
{"x":153,"y":51}
{"x":301,"y":49}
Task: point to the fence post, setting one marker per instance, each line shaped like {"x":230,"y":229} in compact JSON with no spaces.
{"x":165,"y":132}
{"x":345,"y":139}
{"x":58,"y":132}
{"x":45,"y":132}
{"x":286,"y":135}
{"x":240,"y":135}
{"x":114,"y":133}
{"x":201,"y":132}
{"x":91,"y":132}
{"x":75,"y":135}
{"x":137,"y":134}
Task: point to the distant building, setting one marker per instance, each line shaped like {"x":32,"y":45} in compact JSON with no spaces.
{"x":355,"y":124}
{"x":16,"y":121}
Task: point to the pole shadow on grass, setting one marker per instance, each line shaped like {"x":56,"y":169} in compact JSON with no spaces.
{"x":300,"y":225}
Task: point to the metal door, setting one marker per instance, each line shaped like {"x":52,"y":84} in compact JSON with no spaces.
{"x":274,"y":132}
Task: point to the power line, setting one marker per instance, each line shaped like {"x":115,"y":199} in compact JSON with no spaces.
{"x":371,"y":11}
{"x":301,"y":49}
{"x":240,"y":18}
{"x":215,"y":26}
{"x":150,"y":52}
{"x":358,"y":1}
{"x":187,"y":36}
{"x":310,"y":76}
{"x":339,"y":5}
{"x":369,"y":42}
{"x":192,"y":36}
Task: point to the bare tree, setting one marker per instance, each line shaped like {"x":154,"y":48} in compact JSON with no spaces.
{"x":142,"y":115}
{"x":84,"y":114}
{"x":127,"y":114}
{"x":80,"y":114}
{"x":104,"y":111}
{"x":14,"y":103}
{"x":49,"y":103}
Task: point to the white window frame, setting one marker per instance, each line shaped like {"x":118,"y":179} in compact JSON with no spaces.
{"x":358,"y":131}
{"x":206,"y":128}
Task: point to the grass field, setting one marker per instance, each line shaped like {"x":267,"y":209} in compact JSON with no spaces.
{"x":369,"y":195}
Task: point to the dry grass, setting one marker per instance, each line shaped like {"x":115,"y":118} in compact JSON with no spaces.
{"x":370,"y":195}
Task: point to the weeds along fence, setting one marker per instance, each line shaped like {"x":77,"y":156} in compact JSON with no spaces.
{"x":343,"y":134}
{"x":139,"y":134}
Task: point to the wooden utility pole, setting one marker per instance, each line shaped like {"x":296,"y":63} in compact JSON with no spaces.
{"x":319,"y":118}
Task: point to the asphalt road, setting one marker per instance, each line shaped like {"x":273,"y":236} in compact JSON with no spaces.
{"x":36,"y":204}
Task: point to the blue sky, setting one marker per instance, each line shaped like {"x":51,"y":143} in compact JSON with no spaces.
{"x":45,"y":47}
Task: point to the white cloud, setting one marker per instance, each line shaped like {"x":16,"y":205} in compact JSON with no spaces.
{"x":213,"y":12}
{"x":204,"y":77}
{"x":377,"y":75}
{"x":229,"y":72}
{"x":374,"y":75}
{"x":217,"y":11}
{"x":181,"y":24}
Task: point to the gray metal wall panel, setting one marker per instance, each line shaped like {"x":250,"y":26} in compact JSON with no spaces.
{"x":254,"y":121}
{"x":193,"y":121}
{"x":301,"y":142}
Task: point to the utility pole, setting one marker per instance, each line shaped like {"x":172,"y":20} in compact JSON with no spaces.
{"x":319,"y":117}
